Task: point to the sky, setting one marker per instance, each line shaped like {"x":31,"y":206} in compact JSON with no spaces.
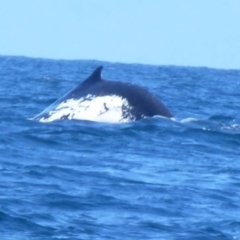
{"x":160,"y":32}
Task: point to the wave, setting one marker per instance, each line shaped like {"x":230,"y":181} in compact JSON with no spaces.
{"x":214,"y":123}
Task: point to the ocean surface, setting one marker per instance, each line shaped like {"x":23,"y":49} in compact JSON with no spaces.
{"x":151,"y":179}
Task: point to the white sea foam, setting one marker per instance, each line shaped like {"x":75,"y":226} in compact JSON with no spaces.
{"x":111,"y":109}
{"x":189,"y":120}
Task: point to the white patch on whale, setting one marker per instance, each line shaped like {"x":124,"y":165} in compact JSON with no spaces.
{"x":110,"y":108}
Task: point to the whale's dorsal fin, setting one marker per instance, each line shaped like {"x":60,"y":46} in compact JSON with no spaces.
{"x":95,"y":77}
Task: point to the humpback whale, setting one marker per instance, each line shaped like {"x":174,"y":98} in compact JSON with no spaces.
{"x":96,"y":99}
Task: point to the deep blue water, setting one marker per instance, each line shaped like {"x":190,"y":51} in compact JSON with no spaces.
{"x":151,"y":179}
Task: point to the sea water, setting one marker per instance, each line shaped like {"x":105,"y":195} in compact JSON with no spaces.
{"x":151,"y":179}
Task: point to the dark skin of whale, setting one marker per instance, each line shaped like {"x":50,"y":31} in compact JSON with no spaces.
{"x":142,"y":102}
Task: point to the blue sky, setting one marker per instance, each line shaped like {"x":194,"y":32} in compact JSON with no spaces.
{"x":161,"y":32}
